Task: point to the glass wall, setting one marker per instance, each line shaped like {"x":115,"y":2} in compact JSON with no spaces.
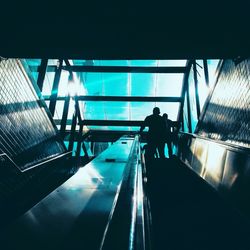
{"x":204,"y":89}
{"x":114,"y":84}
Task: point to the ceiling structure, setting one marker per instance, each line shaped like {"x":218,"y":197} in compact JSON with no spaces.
{"x":113,"y":94}
{"x":124,"y":29}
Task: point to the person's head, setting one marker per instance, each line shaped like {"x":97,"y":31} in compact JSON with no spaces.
{"x":165,"y":116}
{"x":156,"y":111}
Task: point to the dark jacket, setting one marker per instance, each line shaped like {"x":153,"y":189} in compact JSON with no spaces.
{"x":156,"y":126}
{"x":168,"y":126}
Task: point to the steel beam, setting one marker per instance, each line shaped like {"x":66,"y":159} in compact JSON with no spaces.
{"x":72,"y":132}
{"x":118,"y":123}
{"x":54,"y":92}
{"x":63,"y":122}
{"x":183,"y":92}
{"x":42,"y":72}
{"x":78,"y":112}
{"x":121,"y":98}
{"x":206,"y":72}
{"x":79,"y":141}
{"x":112,"y":123}
{"x":197,"y":98}
{"x":116,"y":69}
{"x":189,"y":110}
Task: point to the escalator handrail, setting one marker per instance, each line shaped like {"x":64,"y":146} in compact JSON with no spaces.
{"x":125,"y":230}
{"x":224,"y":144}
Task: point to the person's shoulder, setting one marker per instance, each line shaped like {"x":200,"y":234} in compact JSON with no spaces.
{"x":149,"y":117}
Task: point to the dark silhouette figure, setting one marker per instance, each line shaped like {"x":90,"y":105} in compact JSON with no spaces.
{"x":155,"y":138}
{"x":168,"y":133}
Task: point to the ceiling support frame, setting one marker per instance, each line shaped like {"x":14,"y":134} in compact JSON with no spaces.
{"x":115,"y":69}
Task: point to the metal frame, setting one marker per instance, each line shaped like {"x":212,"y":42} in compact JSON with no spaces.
{"x":119,"y":98}
{"x":64,"y":116}
{"x":189,"y":110}
{"x":112,"y":123}
{"x":115,"y":69}
{"x":79,"y":141}
{"x":72,"y":131}
{"x":206,"y":72}
{"x":77,"y":119}
{"x":54,"y":92}
{"x":185,"y":86}
{"x":197,"y":98}
{"x":42,"y":72}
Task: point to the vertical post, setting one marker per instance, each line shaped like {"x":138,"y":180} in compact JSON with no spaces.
{"x":78,"y":112}
{"x":64,"y":116}
{"x":206,"y":72}
{"x":54,"y":93}
{"x":180,"y":118}
{"x":85,"y":151}
{"x":72,"y":131}
{"x":79,"y":141}
{"x":42,"y":72}
{"x":197,"y":99}
{"x":180,"y":113}
{"x":189,"y":111}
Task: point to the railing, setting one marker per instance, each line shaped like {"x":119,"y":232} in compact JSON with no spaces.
{"x":5,"y":157}
{"x":126,"y":227}
{"x":224,"y":144}
{"x":147,"y":222}
{"x":224,"y":166}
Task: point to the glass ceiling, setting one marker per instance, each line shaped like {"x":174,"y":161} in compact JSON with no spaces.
{"x":116,"y":84}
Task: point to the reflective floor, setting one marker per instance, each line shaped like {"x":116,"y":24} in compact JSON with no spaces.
{"x":188,"y":214}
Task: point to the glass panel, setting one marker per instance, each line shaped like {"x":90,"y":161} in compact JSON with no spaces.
{"x":173,"y":63}
{"x":59,"y":110}
{"x":168,"y":84}
{"x":48,"y":83}
{"x":194,"y":119}
{"x":212,"y":66}
{"x":117,"y":84}
{"x":142,"y":84}
{"x":139,"y":63}
{"x":202,"y":86}
{"x":106,"y":110}
{"x":116,"y":128}
{"x":170,"y":108}
{"x":33,"y":62}
{"x":111,"y":62}
{"x":139,"y":110}
{"x":185,"y":115}
{"x":94,"y":111}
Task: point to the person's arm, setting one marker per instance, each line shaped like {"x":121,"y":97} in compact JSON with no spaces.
{"x":143,"y":125}
{"x":171,"y":125}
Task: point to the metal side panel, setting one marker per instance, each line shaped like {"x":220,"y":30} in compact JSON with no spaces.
{"x":75,"y":215}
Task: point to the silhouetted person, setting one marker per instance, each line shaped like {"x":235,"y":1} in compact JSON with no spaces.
{"x":147,"y":153}
{"x":168,"y":134}
{"x":155,"y":138}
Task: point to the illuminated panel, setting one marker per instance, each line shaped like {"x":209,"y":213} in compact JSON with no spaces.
{"x":214,"y":164}
{"x":227,"y":114}
{"x":119,"y":84}
{"x":24,"y":122}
